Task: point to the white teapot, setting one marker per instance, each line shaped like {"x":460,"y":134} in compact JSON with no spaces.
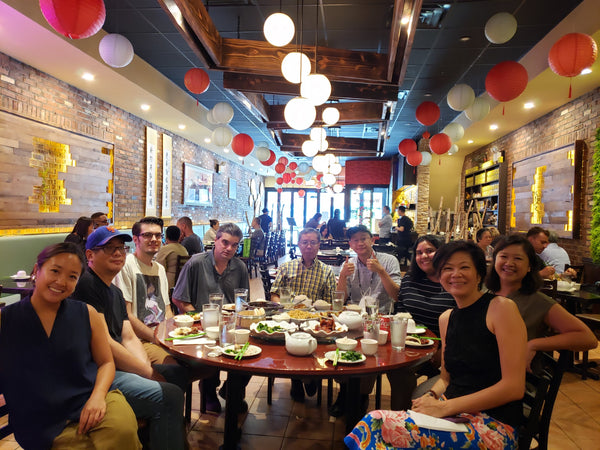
{"x":300,"y":344}
{"x":352,"y":319}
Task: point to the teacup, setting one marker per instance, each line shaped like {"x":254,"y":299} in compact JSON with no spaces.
{"x":21,"y":274}
{"x":383,"y":337}
{"x":368,"y":346}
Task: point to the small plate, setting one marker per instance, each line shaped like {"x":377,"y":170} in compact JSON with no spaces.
{"x":174,"y":334}
{"x":252,"y":350}
{"x":229,"y":307}
{"x":422,"y":343}
{"x":20,"y":278}
{"x":197,"y":316}
{"x":417,"y":330}
{"x":331,"y":355}
{"x":310,"y":325}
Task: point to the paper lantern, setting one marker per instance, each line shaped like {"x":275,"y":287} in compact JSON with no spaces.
{"x":222,"y":136}
{"x":318,"y":134}
{"x":427,"y":113}
{"x":453,"y":149}
{"x":299,"y":180}
{"x":331,"y":115}
{"x":262,"y":153}
{"x":222,"y":112}
{"x":337,"y":188}
{"x":426,"y":158}
{"x":319,"y":176}
{"x":279,"y":180}
{"x":572,"y":53}
{"x":299,"y":113}
{"x":303,"y":167}
{"x":301,"y":193}
{"x":115,"y":50}
{"x":506,"y":81}
{"x":279,"y":190}
{"x":295,"y":67}
{"x":460,"y":97}
{"x":414,"y":158}
{"x":293,"y":165}
{"x":500,"y":28}
{"x":455,"y":131}
{"x":283,"y":160}
{"x":286,"y":178}
{"x":242,"y":144}
{"x":76,"y":19}
{"x":407,"y":146}
{"x":329,"y":179}
{"x":279,"y":29}
{"x":316,"y":88}
{"x":426,"y":135}
{"x":310,"y":148}
{"x":279,"y":168}
{"x":335,"y":168}
{"x":196,"y":81}
{"x":210,"y":119}
{"x":440,"y":143}
{"x":293,"y":175}
{"x":478,"y":110}
{"x":320,"y":163}
{"x":261,"y":143}
{"x":271,"y":159}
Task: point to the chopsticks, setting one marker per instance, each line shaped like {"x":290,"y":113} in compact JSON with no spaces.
{"x":336,"y":357}
{"x":239,"y":355}
{"x":187,"y":336}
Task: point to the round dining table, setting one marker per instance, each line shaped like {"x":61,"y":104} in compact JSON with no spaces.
{"x":275,"y":361}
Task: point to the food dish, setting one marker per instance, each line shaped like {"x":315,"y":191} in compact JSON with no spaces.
{"x":416,"y":330}
{"x":252,"y":350}
{"x":416,"y":342}
{"x":311,"y":326}
{"x":229,"y":307}
{"x":20,"y":277}
{"x":185,"y":332}
{"x":331,"y":355}
{"x":286,"y":326}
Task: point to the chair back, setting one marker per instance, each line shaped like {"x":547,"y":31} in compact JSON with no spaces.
{"x":540,"y":393}
{"x":181,"y":260}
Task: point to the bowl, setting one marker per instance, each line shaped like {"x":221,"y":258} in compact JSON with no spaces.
{"x":383,"y":337}
{"x":183,"y":320}
{"x":248,"y":317}
{"x":212,"y":332}
{"x":368,"y":346}
{"x":346,"y":343}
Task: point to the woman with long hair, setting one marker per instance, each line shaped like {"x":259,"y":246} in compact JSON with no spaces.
{"x":81,"y":230}
{"x":56,"y":366}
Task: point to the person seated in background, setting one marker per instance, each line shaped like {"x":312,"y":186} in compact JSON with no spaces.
{"x":314,"y":221}
{"x":557,"y":257}
{"x":385,"y":226}
{"x":336,"y":226}
{"x":211,"y":233}
{"x":81,"y":231}
{"x":512,"y":275}
{"x":257,"y":237}
{"x":484,"y":240}
{"x":538,"y":237}
{"x":483,"y":367}
{"x":100,"y":219}
{"x":189,"y":239}
{"x":167,"y":255}
{"x":56,"y":368}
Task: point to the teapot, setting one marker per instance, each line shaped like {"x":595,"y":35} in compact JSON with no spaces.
{"x":353,"y":320}
{"x":300,"y":343}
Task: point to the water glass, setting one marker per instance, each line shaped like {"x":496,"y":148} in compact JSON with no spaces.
{"x":216,"y":298}
{"x":227,"y":330}
{"x":371,"y":328}
{"x":241,"y":299}
{"x":371,"y":306}
{"x":285,"y":297}
{"x":337,"y":304}
{"x":210,"y":315}
{"x":398,"y":328}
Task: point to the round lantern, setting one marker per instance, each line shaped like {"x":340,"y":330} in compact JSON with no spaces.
{"x":426,"y":135}
{"x":319,"y":163}
{"x":426,"y":158}
{"x":453,"y":149}
{"x":427,"y":113}
{"x":279,"y":190}
{"x":318,"y":134}
{"x":242,"y":144}
{"x":329,"y":179}
{"x":316,"y":88}
{"x":335,"y":168}
{"x":301,"y":193}
{"x":279,"y":168}
{"x":261,"y":144}
{"x":299,"y":180}
{"x":76,"y":19}
{"x":283,"y":160}
{"x":115,"y":50}
{"x":319,"y":176}
{"x":310,"y":148}
{"x":279,"y":29}
{"x":279,"y":180}
{"x":299,"y":113}
{"x":460,"y":97}
{"x":572,"y":53}
{"x":196,"y":81}
{"x":293,"y":175}
{"x":455,"y":131}
{"x":210,"y":119}
{"x":271,"y":159}
{"x":407,"y":146}
{"x":322,"y":145}
{"x":286,"y":178}
{"x":440,"y":143}
{"x":303,"y":167}
{"x":506,"y":81}
{"x":500,"y":28}
{"x":295,"y":67}
{"x":331,"y":115}
{"x":262,"y":153}
{"x":414,"y":158}
{"x":222,"y":112}
{"x":337,"y":188}
{"x":293,"y":165}
{"x":222,"y":136}
{"x":478,"y":110}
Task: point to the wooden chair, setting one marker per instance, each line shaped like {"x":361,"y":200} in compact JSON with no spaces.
{"x":592,"y":321}
{"x":540,"y":393}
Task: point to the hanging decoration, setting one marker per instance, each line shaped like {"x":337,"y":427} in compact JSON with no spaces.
{"x":303,"y":167}
{"x":301,"y":193}
{"x":222,"y":136}
{"x":286,"y":177}
{"x":426,"y":158}
{"x":453,"y":149}
{"x":196,"y":81}
{"x":316,"y":88}
{"x":242,"y":144}
{"x":440,"y":143}
{"x":262,"y":153}
{"x":500,"y":28}
{"x":271,"y":159}
{"x":478,"y":110}
{"x":279,"y":29}
{"x":337,"y":188}
{"x":571,"y":54}
{"x":331,"y":115}
{"x":455,"y":131}
{"x":293,"y":165}
{"x":299,"y":180}
{"x":279,"y":190}
{"x":75,"y":19}
{"x":414,"y":158}
{"x":295,"y":67}
{"x":506,"y":81}
{"x":210,"y":119}
{"x":427,"y":113}
{"x":460,"y":97}
{"x":426,"y":135}
{"x":279,"y":180}
{"x":280,"y":168}
{"x":407,"y":146}
{"x":310,"y":148}
{"x":116,"y":50}
{"x":222,"y":112}
{"x":299,"y":113}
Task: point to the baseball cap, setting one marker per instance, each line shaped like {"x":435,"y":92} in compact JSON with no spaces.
{"x":265,"y":210}
{"x":102,"y":235}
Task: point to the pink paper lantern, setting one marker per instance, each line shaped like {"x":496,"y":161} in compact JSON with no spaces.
{"x":76,"y":19}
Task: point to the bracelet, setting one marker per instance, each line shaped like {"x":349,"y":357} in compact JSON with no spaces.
{"x":433,"y":394}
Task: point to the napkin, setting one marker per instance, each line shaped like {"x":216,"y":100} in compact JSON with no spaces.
{"x":435,"y":423}
{"x":194,"y":341}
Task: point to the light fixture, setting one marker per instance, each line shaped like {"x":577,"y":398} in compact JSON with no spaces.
{"x":225,"y":150}
{"x":181,"y":126}
{"x":318,"y":134}
{"x":464,"y":38}
{"x":279,"y":29}
{"x":470,"y":141}
{"x":145,"y":107}
{"x":295,"y":67}
{"x":309,"y":148}
{"x":322,"y":145}
{"x":405,"y":20}
{"x":299,"y":113}
{"x":207,"y":140}
{"x":586,"y":71}
{"x":528,"y":105}
{"x":335,"y":168}
{"x":116,"y":50}
{"x":331,"y":115}
{"x":493,"y":127}
{"x":88,"y":76}
{"x":337,"y":188}
{"x":320,"y":163}
{"x":316,"y":88}
{"x":329,"y":179}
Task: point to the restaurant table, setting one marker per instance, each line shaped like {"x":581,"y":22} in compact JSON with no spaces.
{"x":10,"y":286}
{"x":275,"y":361}
{"x":576,"y":301}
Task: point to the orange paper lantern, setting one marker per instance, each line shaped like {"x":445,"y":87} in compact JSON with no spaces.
{"x":407,"y":146}
{"x":242,"y":144}
{"x":427,"y":113}
{"x":196,"y":81}
{"x":506,"y":81}
{"x":414,"y":158}
{"x":440,"y":143}
{"x":572,"y":53}
{"x":76,"y":19}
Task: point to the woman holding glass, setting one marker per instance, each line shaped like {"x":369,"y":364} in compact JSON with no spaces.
{"x":483,"y":368}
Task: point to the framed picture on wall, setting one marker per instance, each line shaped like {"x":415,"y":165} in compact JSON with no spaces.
{"x":197,"y":186}
{"x":232,"y":188}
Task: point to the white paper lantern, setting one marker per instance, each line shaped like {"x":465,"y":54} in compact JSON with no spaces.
{"x":222,"y":136}
{"x":309,"y":148}
{"x":295,"y":67}
{"x":335,"y":168}
{"x":453,"y":149}
{"x":337,"y":188}
{"x":331,"y":115}
{"x":222,"y":112}
{"x":303,"y":167}
{"x":318,"y":134}
{"x":316,"y":88}
{"x":116,"y":50}
{"x":278,"y":29}
{"x":455,"y":131}
{"x":426,"y":159}
{"x":500,"y":28}
{"x":262,"y":153}
{"x":299,"y":113}
{"x":460,"y":97}
{"x":262,"y":144}
{"x":479,"y":109}
{"x":329,"y":179}
{"x":210,"y":119}
{"x":322,"y":145}
{"x":319,"y":163}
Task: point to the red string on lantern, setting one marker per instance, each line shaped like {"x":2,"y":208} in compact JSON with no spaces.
{"x":271,"y":159}
{"x":440,"y":143}
{"x":301,"y":193}
{"x":242,"y":144}
{"x":279,"y":168}
{"x":571,"y":54}
{"x":427,"y":113}
{"x":76,"y":19}
{"x":407,"y":146}
{"x":506,"y":81}
{"x":414,"y":158}
{"x":196,"y":81}
{"x":426,"y":135}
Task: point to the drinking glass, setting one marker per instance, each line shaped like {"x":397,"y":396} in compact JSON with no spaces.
{"x":216,"y":298}
{"x":227,"y":330}
{"x":337,"y":304}
{"x":285,"y":297}
{"x":398,"y":328}
{"x":210,"y":315}
{"x":241,"y":299}
{"x":371,"y":306}
{"x":371,"y":328}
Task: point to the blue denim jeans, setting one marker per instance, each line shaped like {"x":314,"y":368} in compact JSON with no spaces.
{"x":159,"y":403}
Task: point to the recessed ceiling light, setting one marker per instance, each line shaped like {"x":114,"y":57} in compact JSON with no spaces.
{"x":181,"y":126}
{"x":145,"y":107}
{"x":405,"y":20}
{"x":241,"y":158}
{"x":251,"y":164}
{"x":225,"y":150}
{"x":470,"y":141}
{"x":428,"y":94}
{"x":586,"y":71}
{"x":207,"y":140}
{"x":87,"y":76}
{"x":493,"y":127}
{"x":465,"y":38}
{"x":528,"y":105}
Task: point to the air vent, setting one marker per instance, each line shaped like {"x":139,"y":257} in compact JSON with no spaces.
{"x":431,"y":16}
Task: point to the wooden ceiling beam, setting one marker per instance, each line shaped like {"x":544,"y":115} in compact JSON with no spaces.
{"x":350,"y":114}
{"x":335,"y":143}
{"x":401,"y":38}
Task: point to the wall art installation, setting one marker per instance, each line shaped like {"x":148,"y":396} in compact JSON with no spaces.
{"x":197,"y":186}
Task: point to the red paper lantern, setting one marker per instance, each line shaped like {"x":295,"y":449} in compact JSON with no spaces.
{"x":299,"y":180}
{"x":301,"y":193}
{"x":196,"y":81}
{"x":572,"y":53}
{"x":506,"y":81}
{"x":76,"y":19}
{"x":279,"y":180}
{"x":293,"y":165}
{"x":426,"y":135}
{"x":271,"y":159}
{"x":440,"y":143}
{"x":242,"y":144}
{"x":283,"y":160}
{"x":287,"y":177}
{"x":427,"y":113}
{"x":414,"y":158}
{"x":293,"y":174}
{"x":279,"y":168}
{"x":280,"y":190}
{"x":407,"y":146}
{"x":319,"y":176}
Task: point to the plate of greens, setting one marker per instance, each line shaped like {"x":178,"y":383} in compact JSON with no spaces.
{"x":346,"y":357}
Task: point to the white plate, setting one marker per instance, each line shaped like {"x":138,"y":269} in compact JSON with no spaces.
{"x":290,"y":327}
{"x":331,"y":355}
{"x":417,"y":330}
{"x":422,"y":343}
{"x":229,"y":307}
{"x":20,"y":278}
{"x":252,"y":350}
{"x":174,"y":334}
{"x":340,"y":330}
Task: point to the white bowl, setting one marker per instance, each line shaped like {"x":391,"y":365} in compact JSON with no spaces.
{"x":369,"y":346}
{"x":212,"y":332}
{"x":383,"y":337}
{"x":183,"y":320}
{"x":346,"y":343}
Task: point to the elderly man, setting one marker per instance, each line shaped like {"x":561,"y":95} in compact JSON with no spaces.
{"x":538,"y":237}
{"x":190,"y":240}
{"x":557,"y":257}
{"x":310,"y":277}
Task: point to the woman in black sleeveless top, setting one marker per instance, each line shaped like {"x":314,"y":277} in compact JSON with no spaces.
{"x":483,"y":367}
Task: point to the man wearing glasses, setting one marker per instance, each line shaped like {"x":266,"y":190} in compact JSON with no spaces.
{"x":99,"y":219}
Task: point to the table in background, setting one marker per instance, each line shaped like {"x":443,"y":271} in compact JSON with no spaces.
{"x":275,"y":361}
{"x":10,"y":286}
{"x":576,"y":301}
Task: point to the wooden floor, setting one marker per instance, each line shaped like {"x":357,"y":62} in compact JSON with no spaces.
{"x":289,"y":425}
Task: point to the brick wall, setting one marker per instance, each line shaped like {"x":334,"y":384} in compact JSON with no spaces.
{"x":577,"y":120}
{"x":40,"y":97}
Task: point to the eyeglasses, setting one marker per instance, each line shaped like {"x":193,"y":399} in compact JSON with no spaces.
{"x":112,"y":250}
{"x":306,"y":243}
{"x":149,"y":235}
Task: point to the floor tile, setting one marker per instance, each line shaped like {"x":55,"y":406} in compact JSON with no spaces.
{"x":304,"y":444}
{"x":309,"y":428}
{"x":265,"y":424}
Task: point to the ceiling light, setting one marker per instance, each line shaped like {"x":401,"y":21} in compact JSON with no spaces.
{"x":251,"y":164}
{"x":207,"y":140}
{"x":528,"y":105}
{"x":310,"y":148}
{"x":225,"y":150}
{"x":318,"y":134}
{"x":87,"y":76}
{"x":279,"y":29}
{"x":145,"y":107}
{"x":331,"y":115}
{"x":405,"y":20}
{"x":295,"y":67}
{"x":241,"y":158}
{"x":316,"y":88}
{"x":329,"y":179}
{"x":181,"y":126}
{"x":337,"y":188}
{"x":247,"y":104}
{"x":464,"y":38}
{"x":586,"y":71}
{"x":493,"y":127}
{"x":299,"y":113}
{"x":470,"y":141}
{"x":428,"y":94}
